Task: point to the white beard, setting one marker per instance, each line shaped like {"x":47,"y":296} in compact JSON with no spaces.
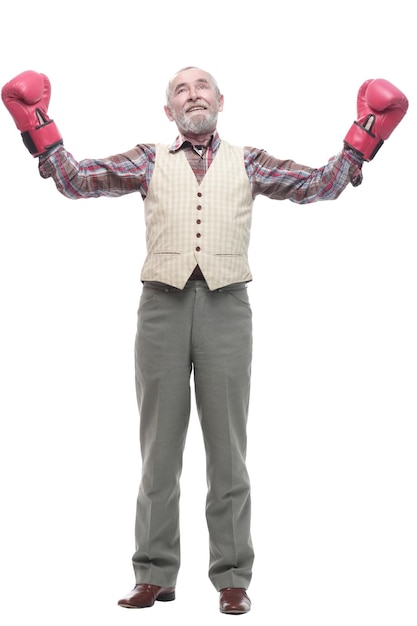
{"x":197,"y":124}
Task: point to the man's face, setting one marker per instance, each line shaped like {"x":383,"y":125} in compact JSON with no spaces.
{"x":194,"y":102}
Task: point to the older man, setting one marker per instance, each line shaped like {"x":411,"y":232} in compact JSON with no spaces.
{"x":194,"y":316}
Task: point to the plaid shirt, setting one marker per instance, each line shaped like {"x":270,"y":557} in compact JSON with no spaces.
{"x":268,"y":176}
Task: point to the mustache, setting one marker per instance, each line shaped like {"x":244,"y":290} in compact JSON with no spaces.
{"x":189,"y":107}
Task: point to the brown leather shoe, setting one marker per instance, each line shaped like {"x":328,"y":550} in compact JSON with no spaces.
{"x":143,"y":596}
{"x":234,"y":601}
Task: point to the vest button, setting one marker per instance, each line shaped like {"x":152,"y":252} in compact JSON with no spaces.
{"x":198,"y":248}
{"x":198,"y":235}
{"x":199,"y":194}
{"x":199,"y":207}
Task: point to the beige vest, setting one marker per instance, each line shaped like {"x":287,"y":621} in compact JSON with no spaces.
{"x":188,"y":223}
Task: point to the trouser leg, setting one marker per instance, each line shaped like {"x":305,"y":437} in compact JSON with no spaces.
{"x":222,"y":354}
{"x":162,"y":362}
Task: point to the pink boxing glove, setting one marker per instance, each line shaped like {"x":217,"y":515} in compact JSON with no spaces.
{"x":381,"y":107}
{"x":27,"y":98}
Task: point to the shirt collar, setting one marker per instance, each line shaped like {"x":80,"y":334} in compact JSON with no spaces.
{"x":180,"y":141}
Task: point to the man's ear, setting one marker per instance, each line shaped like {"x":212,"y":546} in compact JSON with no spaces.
{"x":168,"y":113}
{"x":221,"y":103}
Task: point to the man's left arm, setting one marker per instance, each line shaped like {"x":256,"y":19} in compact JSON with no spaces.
{"x":380,"y":108}
{"x":288,"y":180}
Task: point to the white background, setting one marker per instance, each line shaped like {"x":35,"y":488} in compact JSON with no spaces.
{"x":332,"y":432}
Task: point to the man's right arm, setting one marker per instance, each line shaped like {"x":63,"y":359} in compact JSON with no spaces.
{"x":112,"y":176}
{"x":27,"y":98}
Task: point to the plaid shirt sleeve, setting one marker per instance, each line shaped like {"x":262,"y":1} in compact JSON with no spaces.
{"x":112,"y":176}
{"x":287,"y":180}
{"x":132,"y":171}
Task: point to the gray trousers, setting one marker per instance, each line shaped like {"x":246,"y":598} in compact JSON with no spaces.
{"x":208,"y":333}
